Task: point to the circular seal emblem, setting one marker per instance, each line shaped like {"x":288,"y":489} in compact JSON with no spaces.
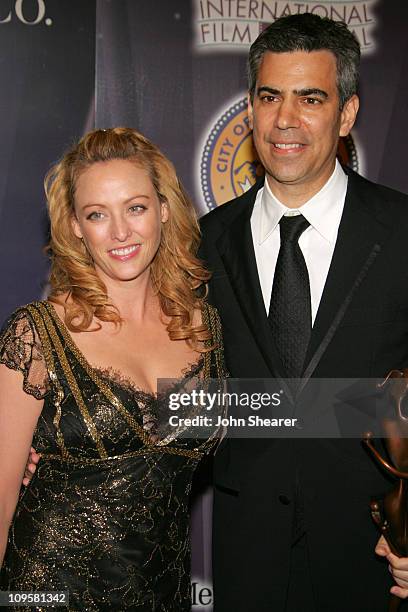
{"x":229,"y":163}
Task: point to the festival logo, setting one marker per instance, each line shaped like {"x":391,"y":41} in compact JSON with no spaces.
{"x":229,"y":165}
{"x":225,"y":25}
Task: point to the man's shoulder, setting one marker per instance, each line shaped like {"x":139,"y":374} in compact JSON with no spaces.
{"x":223,"y":215}
{"x":218,"y":215}
{"x":378,"y":194}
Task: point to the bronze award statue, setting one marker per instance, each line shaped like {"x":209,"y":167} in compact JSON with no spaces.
{"x":391,"y":513}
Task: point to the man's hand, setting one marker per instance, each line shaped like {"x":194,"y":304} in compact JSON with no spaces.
{"x":398,"y":567}
{"x":33,"y":459}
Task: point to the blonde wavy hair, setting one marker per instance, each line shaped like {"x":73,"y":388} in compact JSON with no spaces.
{"x":177,"y":275}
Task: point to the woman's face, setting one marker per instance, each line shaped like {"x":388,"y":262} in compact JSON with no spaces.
{"x":119,"y":216}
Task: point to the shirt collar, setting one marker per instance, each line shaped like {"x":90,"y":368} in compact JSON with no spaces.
{"x":323,"y":210}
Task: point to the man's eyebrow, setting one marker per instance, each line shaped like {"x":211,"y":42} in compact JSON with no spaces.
{"x":266,"y":89}
{"x":311,"y":91}
{"x":307,"y":91}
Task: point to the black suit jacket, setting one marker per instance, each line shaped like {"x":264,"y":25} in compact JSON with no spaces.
{"x":361,"y":330}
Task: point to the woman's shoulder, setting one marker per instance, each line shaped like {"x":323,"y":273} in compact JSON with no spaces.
{"x":23,"y":315}
{"x":21,"y":347}
{"x":21,"y":312}
{"x":26,"y":309}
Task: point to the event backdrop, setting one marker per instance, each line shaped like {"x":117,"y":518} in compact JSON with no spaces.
{"x":175,"y":69}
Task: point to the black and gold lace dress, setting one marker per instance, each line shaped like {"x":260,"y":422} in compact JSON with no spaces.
{"x":105,"y":516}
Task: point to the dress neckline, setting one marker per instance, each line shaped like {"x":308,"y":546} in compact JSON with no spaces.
{"x":113,"y":375}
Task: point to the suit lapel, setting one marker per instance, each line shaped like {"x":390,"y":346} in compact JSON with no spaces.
{"x":361,"y":234}
{"x":236,"y":249}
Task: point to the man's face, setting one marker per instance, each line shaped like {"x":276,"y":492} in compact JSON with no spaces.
{"x":296,"y":121}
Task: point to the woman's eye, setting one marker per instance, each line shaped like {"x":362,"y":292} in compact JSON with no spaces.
{"x":94,"y":216}
{"x":137,"y":208}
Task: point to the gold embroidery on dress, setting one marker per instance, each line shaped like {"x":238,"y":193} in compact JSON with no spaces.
{"x":72,"y":382}
{"x":49,"y":360}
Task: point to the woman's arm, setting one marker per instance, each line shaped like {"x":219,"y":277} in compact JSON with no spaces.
{"x":19,"y":414}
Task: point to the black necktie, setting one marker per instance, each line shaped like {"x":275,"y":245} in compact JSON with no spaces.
{"x":290,"y":309}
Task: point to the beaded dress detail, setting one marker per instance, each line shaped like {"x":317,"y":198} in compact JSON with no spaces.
{"x":106,"y":515}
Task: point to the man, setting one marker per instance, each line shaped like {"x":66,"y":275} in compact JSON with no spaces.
{"x":292,"y":530}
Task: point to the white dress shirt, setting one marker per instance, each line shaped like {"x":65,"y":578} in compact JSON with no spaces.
{"x":323,"y":211}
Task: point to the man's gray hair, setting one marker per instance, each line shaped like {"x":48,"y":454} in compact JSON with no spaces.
{"x":307,"y":32}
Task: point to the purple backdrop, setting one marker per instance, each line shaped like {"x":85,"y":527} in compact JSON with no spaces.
{"x":175,"y":70}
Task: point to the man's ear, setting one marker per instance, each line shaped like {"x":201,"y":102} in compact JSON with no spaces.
{"x":250,"y":112}
{"x":348,"y":115}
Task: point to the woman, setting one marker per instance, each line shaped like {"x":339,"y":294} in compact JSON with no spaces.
{"x":105,"y":517}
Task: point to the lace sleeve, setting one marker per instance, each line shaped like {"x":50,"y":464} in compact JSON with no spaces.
{"x":21,"y":350}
